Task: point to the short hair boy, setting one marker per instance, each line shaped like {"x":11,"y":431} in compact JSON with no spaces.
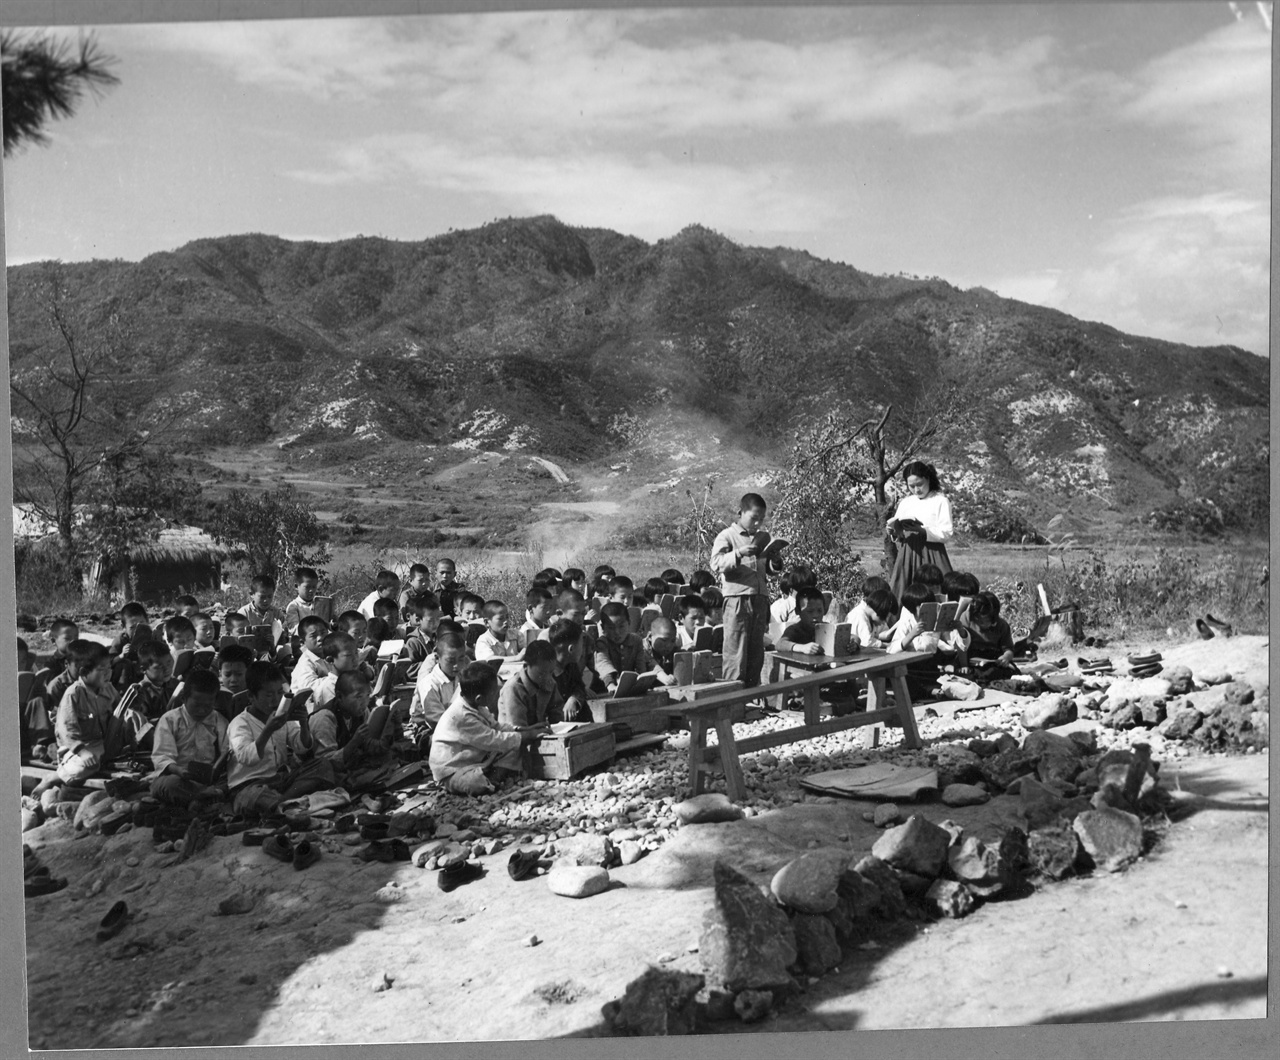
{"x":621,"y":590}
{"x":311,"y":666}
{"x":419,"y":583}
{"x":62,"y":631}
{"x":471,"y":749}
{"x":538,"y":609}
{"x":180,"y":632}
{"x":435,"y":687}
{"x":470,"y":608}
{"x":306,"y":581}
{"x":618,"y":649}
{"x":801,"y":635}
{"x":737,"y":557}
{"x":572,"y":675}
{"x":232,"y":669}
{"x":191,"y":734}
{"x":693,"y":613}
{"x":187,"y":605}
{"x":341,"y":653}
{"x":496,"y":641}
{"x":531,"y":696}
{"x":259,"y":611}
{"x":149,"y":695}
{"x":386,"y":586}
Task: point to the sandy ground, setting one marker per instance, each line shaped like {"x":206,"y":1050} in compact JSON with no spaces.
{"x":1180,"y":935}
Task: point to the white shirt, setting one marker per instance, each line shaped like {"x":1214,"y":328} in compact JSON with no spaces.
{"x":488,"y":646}
{"x":366,"y":605}
{"x":309,"y":669}
{"x":864,"y":624}
{"x":432,"y":695}
{"x":933,"y":513}
{"x":180,"y":740}
{"x":246,"y":764}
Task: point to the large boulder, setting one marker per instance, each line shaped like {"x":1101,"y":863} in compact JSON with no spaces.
{"x":747,"y":943}
{"x":1051,"y":743}
{"x":1182,"y":722}
{"x":585,"y":848}
{"x":1179,"y":678}
{"x":659,"y":1002}
{"x":1048,"y":710}
{"x":1229,"y":725}
{"x":808,"y":884}
{"x":816,"y":944}
{"x":964,"y":795}
{"x":958,"y":764}
{"x":577,"y":881}
{"x":880,"y":875}
{"x":1111,"y":838}
{"x":1052,"y":850}
{"x":707,"y":809}
{"x":978,"y":866}
{"x":919,"y":846}
{"x":949,"y":898}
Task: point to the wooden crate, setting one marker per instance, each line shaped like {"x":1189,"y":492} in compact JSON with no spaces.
{"x":561,"y":756}
{"x":636,"y":711}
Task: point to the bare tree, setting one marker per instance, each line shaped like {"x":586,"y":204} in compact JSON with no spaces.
{"x":80,"y":412}
{"x":45,"y":79}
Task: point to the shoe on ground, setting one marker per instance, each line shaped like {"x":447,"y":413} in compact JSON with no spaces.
{"x":305,"y":853}
{"x":278,"y":846}
{"x":39,"y":884}
{"x":1202,"y":628}
{"x":459,"y":873}
{"x":1222,"y":627}
{"x":113,"y":923}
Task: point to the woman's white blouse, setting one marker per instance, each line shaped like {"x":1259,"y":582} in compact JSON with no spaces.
{"x":933,"y":513}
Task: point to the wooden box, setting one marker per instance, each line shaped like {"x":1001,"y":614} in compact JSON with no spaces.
{"x":636,"y":711}
{"x":561,"y":756}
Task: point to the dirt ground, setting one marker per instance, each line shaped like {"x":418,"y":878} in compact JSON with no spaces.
{"x":346,"y":951}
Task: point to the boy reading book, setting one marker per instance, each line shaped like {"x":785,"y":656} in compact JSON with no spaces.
{"x":531,"y":696}
{"x":187,"y":742}
{"x":743,"y":559}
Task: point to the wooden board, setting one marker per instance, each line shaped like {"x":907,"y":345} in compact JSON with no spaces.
{"x":874,"y":780}
{"x":638,"y":712}
{"x":562,"y":756}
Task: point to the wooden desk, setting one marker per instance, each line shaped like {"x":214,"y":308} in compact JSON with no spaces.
{"x":879,"y":668}
{"x":779,"y":664}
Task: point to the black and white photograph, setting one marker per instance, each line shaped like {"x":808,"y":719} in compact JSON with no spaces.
{"x":538,"y":523}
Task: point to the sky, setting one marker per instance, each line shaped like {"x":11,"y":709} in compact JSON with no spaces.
{"x":1108,"y":160}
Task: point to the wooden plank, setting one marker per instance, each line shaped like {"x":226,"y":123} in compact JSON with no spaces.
{"x":729,"y":764}
{"x":697,"y":748}
{"x":639,"y":743}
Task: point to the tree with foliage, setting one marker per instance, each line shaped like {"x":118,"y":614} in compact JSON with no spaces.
{"x":87,"y":457}
{"x":44,"y":79}
{"x":845,"y":461}
{"x":270,"y":532}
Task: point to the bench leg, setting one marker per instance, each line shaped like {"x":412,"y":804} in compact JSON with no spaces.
{"x":910,"y":734}
{"x":876,"y":700}
{"x":697,"y":749}
{"x":734,"y":784}
{"x":812,"y":705}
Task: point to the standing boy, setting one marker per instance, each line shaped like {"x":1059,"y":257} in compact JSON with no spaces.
{"x":737,"y":557}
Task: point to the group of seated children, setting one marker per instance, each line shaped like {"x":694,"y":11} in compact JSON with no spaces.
{"x":293,"y":702}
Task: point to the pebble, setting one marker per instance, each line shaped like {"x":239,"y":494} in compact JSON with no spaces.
{"x":531,"y":941}
{"x":132,"y":861}
{"x":1224,"y":972}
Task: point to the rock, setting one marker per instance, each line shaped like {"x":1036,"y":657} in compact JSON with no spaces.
{"x":1179,"y":678}
{"x":961,"y":764}
{"x":1005,"y":742}
{"x":746,"y":941}
{"x":94,"y":805}
{"x":918,"y":846}
{"x":382,"y":983}
{"x":808,"y":883}
{"x":1111,"y":837}
{"x":1051,"y":850}
{"x":978,"y":866}
{"x":1058,"y":770}
{"x":1061,"y":681}
{"x":720,"y":1005}
{"x":1051,"y":743}
{"x":1229,"y":725}
{"x":1048,"y":710}
{"x":389,"y":895}
{"x":881,"y":876}
{"x":949,"y":898}
{"x":1038,"y":804}
{"x":1182,"y":722}
{"x":1087,"y":741}
{"x":706,"y":809}
{"x":1212,"y":675}
{"x":1014,"y":854}
{"x":629,"y":852}
{"x":885,"y":814}
{"x":659,"y":1002}
{"x":751,"y":1006}
{"x":841,"y":918}
{"x":530,"y":941}
{"x":767,"y":759}
{"x":32,"y":815}
{"x":1150,"y":711}
{"x":964,"y":795}
{"x":577,"y":881}
{"x":983,"y":748}
{"x":1237,"y":693}
{"x":859,"y":897}
{"x":585,"y":848}
{"x":912,"y":883}
{"x":1123,"y":715}
{"x":816,"y":944}
{"x":1002,"y":769}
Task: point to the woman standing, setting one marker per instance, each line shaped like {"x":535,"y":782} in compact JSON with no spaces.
{"x":927,"y":505}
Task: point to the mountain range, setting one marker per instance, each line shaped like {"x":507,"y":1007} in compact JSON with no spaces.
{"x":587,"y":347}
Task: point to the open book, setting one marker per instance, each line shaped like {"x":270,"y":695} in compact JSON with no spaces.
{"x":941,"y":617}
{"x":907,"y":529}
{"x":322,"y":607}
{"x":632,"y":684}
{"x":773,"y":550}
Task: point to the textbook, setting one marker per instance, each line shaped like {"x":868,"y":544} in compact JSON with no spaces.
{"x":322,"y":607}
{"x":941,"y":617}
{"x":773,"y":550}
{"x":907,"y":529}
{"x":632,"y":684}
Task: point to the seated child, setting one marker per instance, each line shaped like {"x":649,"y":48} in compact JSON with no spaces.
{"x":470,"y":749}
{"x":869,"y":621}
{"x":62,"y":631}
{"x":419,"y":583}
{"x":233,"y":668}
{"x":652,"y":593}
{"x":310,"y":666}
{"x":271,"y":746}
{"x":693,"y":613}
{"x":306,"y":581}
{"x":621,"y":590}
{"x":531,"y":696}
{"x":37,"y":737}
{"x":186,"y":605}
{"x":376,"y":633}
{"x":56,"y":687}
{"x":958,"y":584}
{"x":206,"y":634}
{"x":572,"y":677}
{"x":470,"y":609}
{"x":435,"y":688}
{"x":123,"y":650}
{"x":89,"y":731}
{"x":660,"y":647}
{"x":618,"y":649}
{"x":356,"y":626}
{"x":149,"y":695}
{"x":193,"y":733}
{"x":259,"y":611}
{"x":797,"y":577}
{"x":574,"y":578}
{"x":698,"y":581}
{"x":713,"y":601}
{"x":180,"y":634}
{"x":389,"y":612}
{"x":386,"y":587}
{"x":990,"y":638}
{"x":421,"y":640}
{"x":496,"y":641}
{"x":672,"y":577}
{"x":340,"y":728}
{"x":340,"y":654}
{"x":447,"y":586}
{"x":548,"y":578}
{"x":235,"y":625}
{"x":801,"y":636}
{"x":538,"y":610}
{"x":930,"y":576}
{"x":922,"y":675}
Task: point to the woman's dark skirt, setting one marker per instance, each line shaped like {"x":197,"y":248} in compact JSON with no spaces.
{"x":912,"y":559}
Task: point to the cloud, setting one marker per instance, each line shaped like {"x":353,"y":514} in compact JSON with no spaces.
{"x":651,"y":196}
{"x":1187,"y":269}
{"x":556,"y":74}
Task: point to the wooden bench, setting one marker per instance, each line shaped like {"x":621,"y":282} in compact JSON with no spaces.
{"x":881,"y":671}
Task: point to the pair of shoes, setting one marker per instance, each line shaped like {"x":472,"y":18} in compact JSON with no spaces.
{"x":1145,"y":660}
{"x":460,"y":872}
{"x":1215,"y":624}
{"x":523,"y":864}
{"x":1095,"y":666}
{"x":1150,"y":670}
{"x":113,"y":923}
{"x":300,"y":855}
{"x":387,"y":850}
{"x":1202,"y":627}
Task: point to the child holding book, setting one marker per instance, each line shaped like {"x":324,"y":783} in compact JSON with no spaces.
{"x":740,"y":556}
{"x":693,"y":614}
{"x":871,"y":620}
{"x":187,"y":742}
{"x":801,"y":635}
{"x":531,"y":696}
{"x":306,"y":581}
